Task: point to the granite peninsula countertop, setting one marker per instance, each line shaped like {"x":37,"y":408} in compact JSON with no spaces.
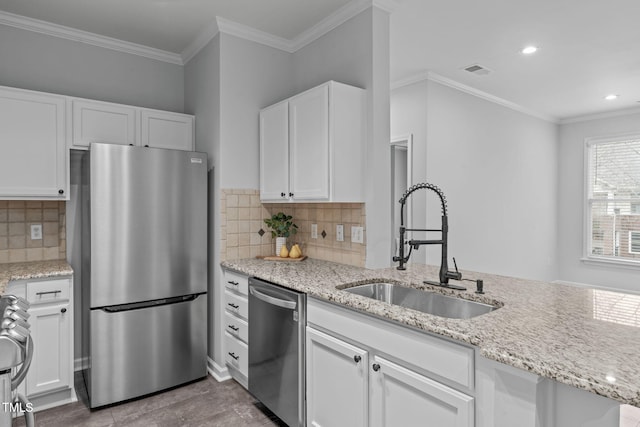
{"x":586,"y":338}
{"x":32,"y":270}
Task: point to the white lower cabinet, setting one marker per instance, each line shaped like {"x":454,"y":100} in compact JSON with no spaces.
{"x":362,"y":371}
{"x":50,"y":368}
{"x":403,"y":397}
{"x":49,"y":381}
{"x":337,"y":382}
{"x":236,"y":321}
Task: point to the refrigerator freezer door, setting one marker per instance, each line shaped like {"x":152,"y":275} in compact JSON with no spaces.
{"x":148,"y":224}
{"x":145,"y":350}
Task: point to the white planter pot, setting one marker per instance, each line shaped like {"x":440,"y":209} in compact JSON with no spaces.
{"x":280,"y":241}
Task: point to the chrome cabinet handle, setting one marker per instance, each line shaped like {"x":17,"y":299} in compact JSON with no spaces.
{"x":376,"y":367}
{"x":235,"y":328}
{"x":233,"y":355}
{"x":48,"y":292}
{"x":230,"y":304}
{"x":357,"y":358}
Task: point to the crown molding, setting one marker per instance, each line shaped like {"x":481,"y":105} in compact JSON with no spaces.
{"x":251,"y":34}
{"x":68,"y":33}
{"x":332,"y":21}
{"x":596,"y":116}
{"x":437,"y":78}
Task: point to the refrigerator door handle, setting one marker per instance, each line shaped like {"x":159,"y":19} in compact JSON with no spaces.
{"x":291,"y":305}
{"x":147,"y":304}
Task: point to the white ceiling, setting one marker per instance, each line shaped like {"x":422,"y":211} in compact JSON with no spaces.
{"x":588,"y":48}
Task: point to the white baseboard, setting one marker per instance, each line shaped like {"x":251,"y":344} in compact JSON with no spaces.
{"x":220,"y":373}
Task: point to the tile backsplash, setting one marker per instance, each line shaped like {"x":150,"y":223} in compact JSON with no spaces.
{"x":242,"y":218}
{"x":16,"y":218}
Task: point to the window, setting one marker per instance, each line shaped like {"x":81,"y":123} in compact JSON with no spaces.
{"x":634,"y":242}
{"x":613,"y":199}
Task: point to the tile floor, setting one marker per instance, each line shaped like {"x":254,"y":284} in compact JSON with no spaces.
{"x":202,"y":403}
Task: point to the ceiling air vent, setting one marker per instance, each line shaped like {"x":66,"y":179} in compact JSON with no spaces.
{"x":477,"y":69}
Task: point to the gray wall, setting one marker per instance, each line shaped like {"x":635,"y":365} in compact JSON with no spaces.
{"x":498,"y":170}
{"x":571,"y":204}
{"x":50,"y":64}
{"x":253,"y":76}
{"x":202,"y":99}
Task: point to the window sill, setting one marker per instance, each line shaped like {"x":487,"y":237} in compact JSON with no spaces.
{"x":610,"y":262}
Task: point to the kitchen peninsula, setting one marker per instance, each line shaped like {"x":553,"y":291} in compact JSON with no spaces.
{"x":575,"y":336}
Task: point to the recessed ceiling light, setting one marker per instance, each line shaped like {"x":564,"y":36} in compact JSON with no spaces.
{"x":611,"y":97}
{"x":529,"y":50}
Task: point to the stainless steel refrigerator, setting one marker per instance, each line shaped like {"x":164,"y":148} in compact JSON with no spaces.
{"x":144,"y":270}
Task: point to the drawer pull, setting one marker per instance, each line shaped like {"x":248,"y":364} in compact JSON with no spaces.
{"x":376,"y":367}
{"x":235,"y":328}
{"x":47,"y":292}
{"x":63,"y":310}
{"x":231,"y":282}
{"x":357,"y":358}
{"x":234,"y":356}
{"x":232,"y":305}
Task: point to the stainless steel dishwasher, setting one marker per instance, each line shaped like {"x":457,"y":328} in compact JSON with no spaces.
{"x":276,"y":349}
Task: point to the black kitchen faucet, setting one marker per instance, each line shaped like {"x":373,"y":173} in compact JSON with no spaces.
{"x":445,"y":273}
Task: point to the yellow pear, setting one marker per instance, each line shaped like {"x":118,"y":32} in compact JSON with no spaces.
{"x":295,"y":252}
{"x":284,"y":252}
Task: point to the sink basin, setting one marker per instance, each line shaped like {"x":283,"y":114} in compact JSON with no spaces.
{"x":424,"y":301}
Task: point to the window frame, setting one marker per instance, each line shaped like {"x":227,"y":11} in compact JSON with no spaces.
{"x":588,"y":257}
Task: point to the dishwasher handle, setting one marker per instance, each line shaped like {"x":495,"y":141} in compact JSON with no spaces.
{"x":291,"y":305}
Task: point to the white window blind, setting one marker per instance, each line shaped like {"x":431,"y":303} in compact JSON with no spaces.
{"x":613,"y":197}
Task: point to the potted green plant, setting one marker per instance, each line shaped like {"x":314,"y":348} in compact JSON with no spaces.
{"x":281,"y":226}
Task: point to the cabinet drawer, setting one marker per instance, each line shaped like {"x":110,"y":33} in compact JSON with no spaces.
{"x":236,"y":354}
{"x":453,"y":363}
{"x":236,"y":304}
{"x":236,"y":282}
{"x":48,"y":291}
{"x":236,"y":326}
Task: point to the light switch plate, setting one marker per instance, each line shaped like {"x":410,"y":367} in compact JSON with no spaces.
{"x":36,"y":231}
{"x":357,"y":234}
{"x":314,"y":231}
{"x":340,"y":233}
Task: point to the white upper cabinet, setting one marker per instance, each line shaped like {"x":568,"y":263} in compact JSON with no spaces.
{"x":33,"y":159}
{"x":312,"y":146}
{"x":309,"y":144}
{"x":274,"y":152}
{"x":95,"y":121}
{"x":163,"y":129}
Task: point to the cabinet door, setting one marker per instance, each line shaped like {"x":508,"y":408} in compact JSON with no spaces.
{"x":163,"y":129}
{"x":274,"y":153}
{"x":337,"y":385}
{"x":33,"y":157}
{"x":95,"y":121}
{"x":402,"y":397}
{"x":50,"y":331}
{"x":309,"y":144}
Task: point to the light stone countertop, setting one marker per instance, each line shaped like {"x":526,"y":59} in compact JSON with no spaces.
{"x":587,"y":338}
{"x":32,"y":270}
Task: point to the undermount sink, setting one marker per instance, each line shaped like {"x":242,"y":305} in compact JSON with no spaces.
{"x":424,"y":301}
